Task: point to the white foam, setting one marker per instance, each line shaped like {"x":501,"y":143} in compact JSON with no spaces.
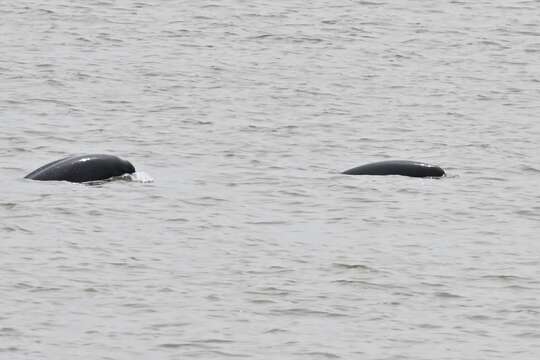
{"x":140,"y":176}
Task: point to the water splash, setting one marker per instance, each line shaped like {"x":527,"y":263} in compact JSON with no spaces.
{"x":141,"y":177}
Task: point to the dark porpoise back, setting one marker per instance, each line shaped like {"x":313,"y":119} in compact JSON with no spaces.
{"x":397,"y":167}
{"x":83,"y":168}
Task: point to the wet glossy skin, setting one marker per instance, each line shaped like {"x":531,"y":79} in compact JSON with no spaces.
{"x":397,"y":167}
{"x":83,"y":168}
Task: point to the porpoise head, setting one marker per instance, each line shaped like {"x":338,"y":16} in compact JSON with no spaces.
{"x":127,"y":167}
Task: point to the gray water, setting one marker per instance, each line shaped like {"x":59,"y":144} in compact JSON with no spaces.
{"x":249,"y":243}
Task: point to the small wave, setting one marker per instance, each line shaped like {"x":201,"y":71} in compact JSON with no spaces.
{"x":8,"y":205}
{"x":213,"y":341}
{"x":307,"y":312}
{"x":174,"y":345}
{"x":530,"y":335}
{"x":479,"y":317}
{"x":531,"y":169}
{"x":141,"y":177}
{"x":269,"y":222}
{"x":169,"y":325}
{"x":318,"y":354}
{"x":429,"y":326}
{"x":504,"y":277}
{"x":364,"y":283}
{"x":354,"y":266}
{"x":447,"y":295}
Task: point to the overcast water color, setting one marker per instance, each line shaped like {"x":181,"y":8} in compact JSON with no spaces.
{"x":249,"y":243}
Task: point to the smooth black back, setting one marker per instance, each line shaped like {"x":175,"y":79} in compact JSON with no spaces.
{"x":83,"y":168}
{"x":397,"y":167}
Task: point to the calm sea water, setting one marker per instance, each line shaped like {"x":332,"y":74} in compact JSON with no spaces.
{"x":249,"y":243}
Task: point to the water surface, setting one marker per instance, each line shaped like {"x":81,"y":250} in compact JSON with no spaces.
{"x":249,"y":243}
